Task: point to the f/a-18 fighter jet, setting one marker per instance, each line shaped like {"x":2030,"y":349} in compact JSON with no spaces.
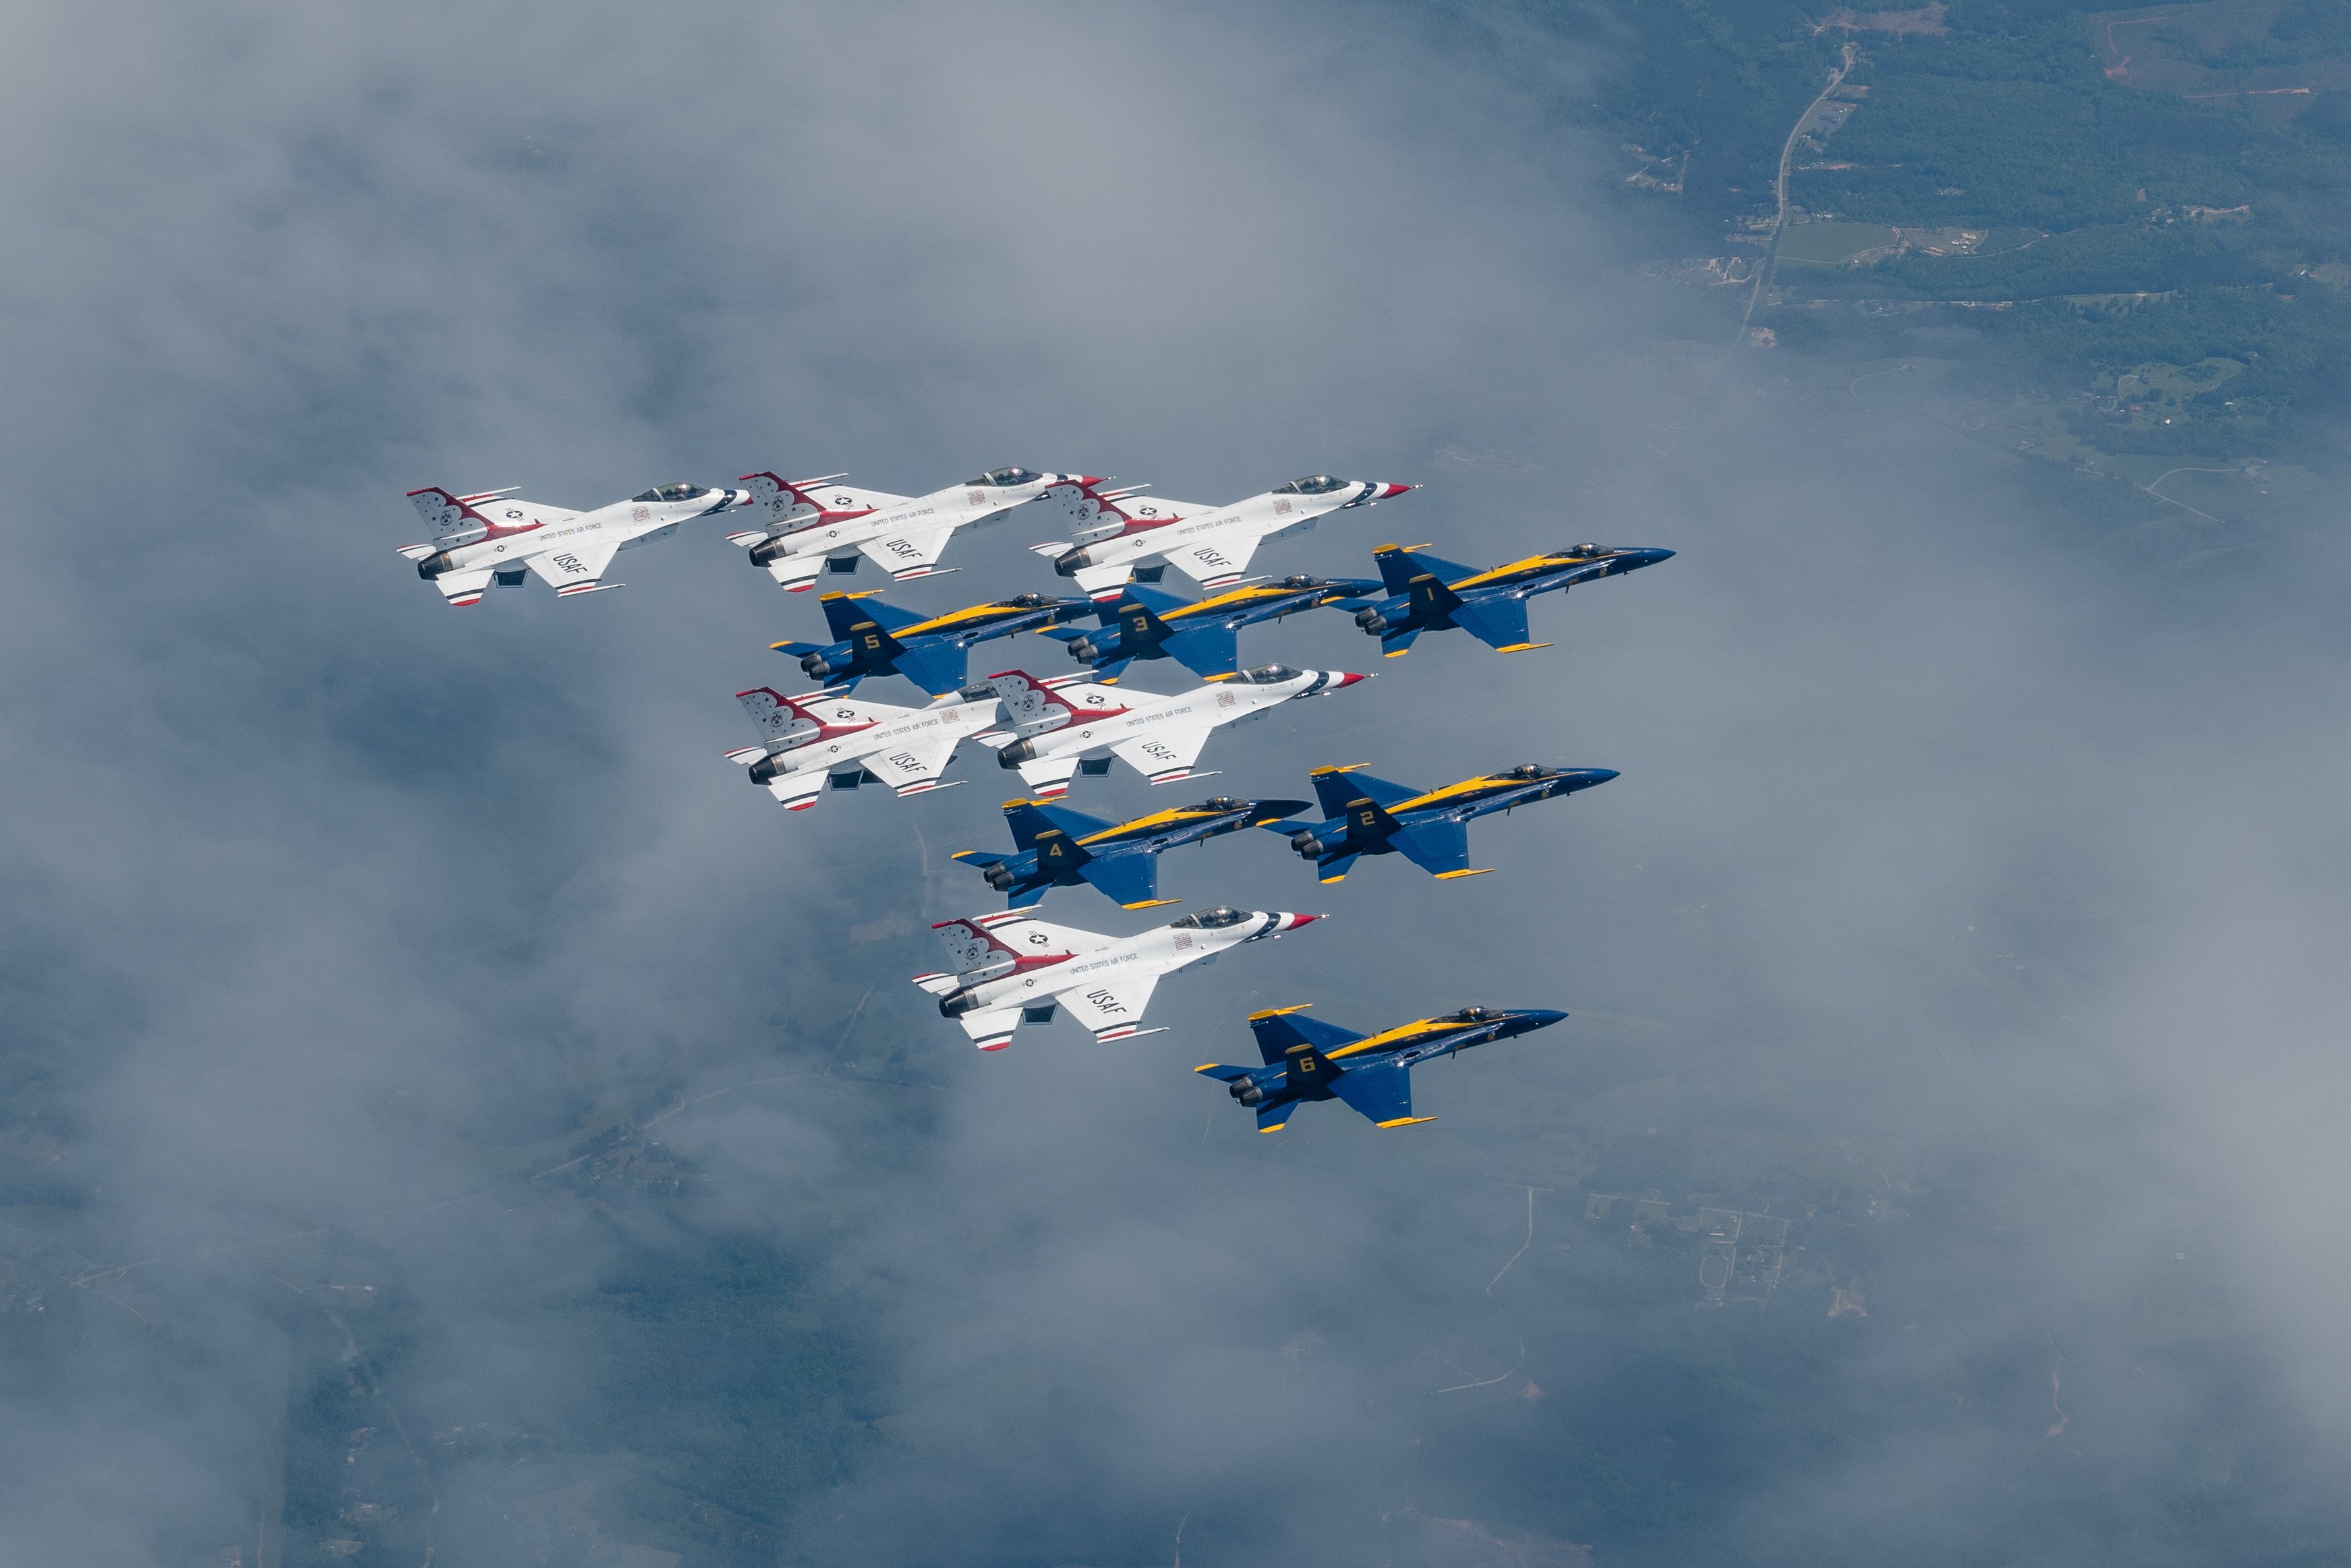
{"x":1308,"y":1061}
{"x":825,"y":735}
{"x":1012,"y":968}
{"x":1052,"y":724}
{"x":1056,"y":847}
{"x":871,"y":638}
{"x":1148,"y":624}
{"x":1431,"y":595}
{"x":1370,"y":816}
{"x":822,"y":524}
{"x":497,"y":537}
{"x":1120,"y":530}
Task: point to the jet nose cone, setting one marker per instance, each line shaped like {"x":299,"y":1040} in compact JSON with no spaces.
{"x":1542,"y":1017}
{"x":1089,"y":480}
{"x":1652,"y":557}
{"x":1293,"y":922}
{"x":1342,"y":679}
{"x":1390,"y":490}
{"x":1600,"y":774}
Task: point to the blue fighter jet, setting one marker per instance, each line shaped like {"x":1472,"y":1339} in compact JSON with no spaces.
{"x":1147,"y":623}
{"x":1308,"y":1061}
{"x":1431,"y":595}
{"x":1370,"y":816}
{"x":1062,"y":848}
{"x":878,"y":639}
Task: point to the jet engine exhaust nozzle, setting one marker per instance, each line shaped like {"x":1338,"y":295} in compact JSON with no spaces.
{"x":1018,"y":752}
{"x":955,"y":1004}
{"x":1245,"y":1091}
{"x":1000,"y":877}
{"x":433,"y":566}
{"x":764,"y":771}
{"x":1069,"y":565}
{"x":817,"y":667}
{"x":769,"y":550}
{"x":1371,"y":621}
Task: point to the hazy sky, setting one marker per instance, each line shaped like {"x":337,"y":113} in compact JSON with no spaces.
{"x":1951,"y":828}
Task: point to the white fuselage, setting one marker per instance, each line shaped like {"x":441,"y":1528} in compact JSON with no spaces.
{"x":1162,"y":950}
{"x":547,"y":530}
{"x":895,"y":744}
{"x":1206,"y":707}
{"x":899,"y":532}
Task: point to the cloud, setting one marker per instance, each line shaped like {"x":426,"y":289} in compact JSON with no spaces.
{"x":1961,"y":886}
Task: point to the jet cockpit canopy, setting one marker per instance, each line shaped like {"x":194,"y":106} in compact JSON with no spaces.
{"x":1268,"y":674}
{"x":1471,"y":1014}
{"x":1216,"y":919}
{"x":1313,"y":484}
{"x":1589,"y":550}
{"x":1215,"y":803}
{"x":681,"y":491}
{"x":1015,"y":476}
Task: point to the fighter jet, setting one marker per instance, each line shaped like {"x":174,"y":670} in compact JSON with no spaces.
{"x":1012,"y":968}
{"x":497,"y":537}
{"x":876,"y":639}
{"x":1308,"y":1061}
{"x":825,"y":735}
{"x":1212,"y":545}
{"x":822,"y":524}
{"x":1053,"y":724}
{"x":1431,"y":595}
{"x":1056,"y":847}
{"x":1146,"y":624}
{"x":1370,"y":816}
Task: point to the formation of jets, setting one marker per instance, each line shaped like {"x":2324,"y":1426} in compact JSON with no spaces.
{"x":1009,"y":967}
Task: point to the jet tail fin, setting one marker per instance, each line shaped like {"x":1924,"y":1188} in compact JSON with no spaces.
{"x":1279,"y":1031}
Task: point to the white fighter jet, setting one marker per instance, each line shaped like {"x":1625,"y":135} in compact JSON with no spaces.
{"x":822,"y":735}
{"x":1120,"y":529}
{"x":1052,"y":722}
{"x":499,"y":536}
{"x":818,"y":525}
{"x":1012,"y":968}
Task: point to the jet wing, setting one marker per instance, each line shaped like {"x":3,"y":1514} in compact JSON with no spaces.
{"x":1164,"y":755}
{"x":1382,"y":1093}
{"x":1113,"y":1012}
{"x":910,"y":555}
{"x":1500,"y":622}
{"x":938,"y":667}
{"x":799,"y":791}
{"x":1439,"y":847}
{"x":1216,"y":565}
{"x":577,"y":570}
{"x":1132,"y":879}
{"x":915,"y":767}
{"x":1048,"y":778}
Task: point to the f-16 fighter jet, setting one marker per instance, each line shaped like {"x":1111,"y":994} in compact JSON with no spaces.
{"x":875,"y":639}
{"x":1308,"y":1061}
{"x":1146,"y":624}
{"x":1053,"y":724}
{"x":1431,"y":595}
{"x":1012,"y":968}
{"x":825,"y":735}
{"x":1370,"y":816}
{"x":1211,"y":544}
{"x":1058,"y":847}
{"x":497,"y":537}
{"x":822,"y":524}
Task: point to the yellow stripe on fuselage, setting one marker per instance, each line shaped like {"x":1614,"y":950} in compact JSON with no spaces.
{"x":1533,"y":566}
{"x":1397,"y":1038}
{"x":962,"y":617}
{"x":1467,"y":790}
{"x":1145,"y":824}
{"x":1229,"y":600}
